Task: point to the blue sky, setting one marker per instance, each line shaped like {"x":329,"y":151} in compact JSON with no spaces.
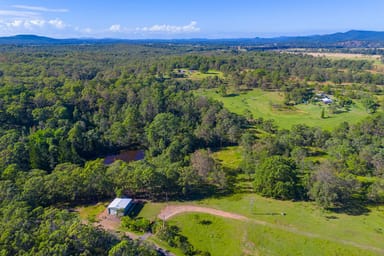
{"x":187,"y":18}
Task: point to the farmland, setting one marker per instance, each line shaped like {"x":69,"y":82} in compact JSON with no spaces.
{"x":303,"y":230}
{"x":260,"y":103}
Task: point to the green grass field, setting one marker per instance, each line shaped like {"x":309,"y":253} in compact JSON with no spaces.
{"x":90,"y":212}
{"x":151,"y":210}
{"x":229,"y":157}
{"x":197,"y":75}
{"x":222,"y":237}
{"x":259,"y":103}
{"x":231,"y":237}
{"x":211,"y":73}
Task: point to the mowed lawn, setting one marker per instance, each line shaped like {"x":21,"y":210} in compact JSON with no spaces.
{"x":319,"y":232}
{"x":260,"y":104}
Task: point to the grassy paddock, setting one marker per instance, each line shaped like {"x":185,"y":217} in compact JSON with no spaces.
{"x":221,"y":237}
{"x":260,"y":104}
{"x":367,"y":228}
{"x":378,"y":66}
{"x":339,"y":55}
{"x":229,"y":157}
{"x":197,"y":75}
{"x":151,"y":210}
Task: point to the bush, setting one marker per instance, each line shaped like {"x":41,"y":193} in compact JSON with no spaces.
{"x":137,"y":224}
{"x":171,"y":235}
{"x":277,"y":177}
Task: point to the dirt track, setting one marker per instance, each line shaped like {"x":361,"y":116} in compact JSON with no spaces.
{"x":172,"y":210}
{"x":112,"y":223}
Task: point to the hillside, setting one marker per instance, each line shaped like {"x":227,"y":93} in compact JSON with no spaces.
{"x":349,"y":39}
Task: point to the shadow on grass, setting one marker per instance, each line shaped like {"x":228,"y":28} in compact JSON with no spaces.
{"x":331,"y":217}
{"x":231,"y":95}
{"x":353,"y":208}
{"x":205,"y":222}
{"x":136,"y":209}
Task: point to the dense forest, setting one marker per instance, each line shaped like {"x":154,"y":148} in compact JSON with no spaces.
{"x":64,"y":108}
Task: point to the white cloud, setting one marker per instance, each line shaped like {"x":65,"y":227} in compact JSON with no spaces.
{"x":57,"y":23}
{"x":11,"y":13}
{"x":18,"y":25}
{"x":14,"y":23}
{"x":190,"y":28}
{"x":38,"y":8}
{"x":30,"y":19}
{"x":115,"y":28}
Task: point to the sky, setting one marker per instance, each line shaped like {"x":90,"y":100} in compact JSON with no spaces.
{"x":145,"y":19}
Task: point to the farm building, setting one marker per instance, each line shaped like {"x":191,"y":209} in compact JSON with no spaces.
{"x":120,"y":206}
{"x":326,"y":100}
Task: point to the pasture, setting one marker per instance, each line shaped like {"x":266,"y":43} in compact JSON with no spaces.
{"x":303,"y":230}
{"x":262,"y":104}
{"x":197,"y":75}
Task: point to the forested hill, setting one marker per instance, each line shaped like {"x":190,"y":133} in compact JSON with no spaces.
{"x":350,"y":39}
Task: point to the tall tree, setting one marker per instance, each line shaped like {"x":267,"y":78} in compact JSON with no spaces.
{"x":276,"y":177}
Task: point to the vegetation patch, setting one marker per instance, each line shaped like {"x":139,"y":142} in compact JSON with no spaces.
{"x":89,"y":213}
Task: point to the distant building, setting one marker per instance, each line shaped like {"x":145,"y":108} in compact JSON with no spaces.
{"x":120,"y":206}
{"x":323,"y":98}
{"x":326,"y":100}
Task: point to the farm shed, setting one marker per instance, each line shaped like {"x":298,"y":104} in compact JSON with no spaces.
{"x":120,"y":206}
{"x":326,"y":100}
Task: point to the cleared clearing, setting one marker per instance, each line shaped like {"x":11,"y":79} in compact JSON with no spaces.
{"x":337,"y":55}
{"x":173,"y":210}
{"x":260,"y":104}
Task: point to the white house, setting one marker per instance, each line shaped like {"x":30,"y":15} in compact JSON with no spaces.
{"x":326,"y":100}
{"x":120,"y":206}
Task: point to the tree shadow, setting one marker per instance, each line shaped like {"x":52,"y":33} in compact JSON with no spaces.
{"x":231,"y":95}
{"x":201,"y":192}
{"x":331,"y":217}
{"x":136,"y":208}
{"x":205,"y":222}
{"x":353,"y":209}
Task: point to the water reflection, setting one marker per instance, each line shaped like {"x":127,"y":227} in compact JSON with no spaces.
{"x":126,"y":156}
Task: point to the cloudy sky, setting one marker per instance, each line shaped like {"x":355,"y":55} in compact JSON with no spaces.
{"x":187,"y":18}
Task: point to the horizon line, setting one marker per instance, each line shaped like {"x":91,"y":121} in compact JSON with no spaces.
{"x":182,"y":38}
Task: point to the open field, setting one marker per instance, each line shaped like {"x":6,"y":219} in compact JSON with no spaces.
{"x":338,"y":55}
{"x":378,"y":66}
{"x":197,"y":75}
{"x":211,"y":73}
{"x":304,"y":230}
{"x":216,"y":235}
{"x":260,"y":104}
{"x":229,"y":157}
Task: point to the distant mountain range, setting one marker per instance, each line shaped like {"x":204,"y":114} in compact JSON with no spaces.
{"x":350,"y":39}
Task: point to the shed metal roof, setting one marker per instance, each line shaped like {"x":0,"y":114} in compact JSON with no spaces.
{"x":120,"y":203}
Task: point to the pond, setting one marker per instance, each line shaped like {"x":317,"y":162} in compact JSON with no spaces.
{"x":126,"y":156}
